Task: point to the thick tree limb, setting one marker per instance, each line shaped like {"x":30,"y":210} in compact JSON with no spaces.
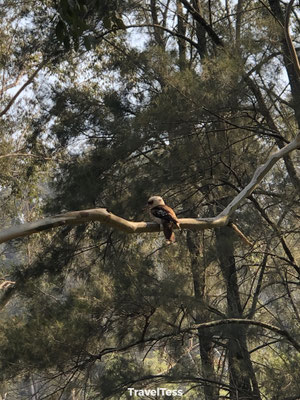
{"x":213,"y":35}
{"x":104,"y":216}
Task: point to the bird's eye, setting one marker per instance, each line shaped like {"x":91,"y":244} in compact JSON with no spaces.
{"x":150,"y":202}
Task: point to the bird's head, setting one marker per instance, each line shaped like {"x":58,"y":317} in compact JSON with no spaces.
{"x":154,"y":201}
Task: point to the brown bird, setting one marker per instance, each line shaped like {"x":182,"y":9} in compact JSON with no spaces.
{"x":163,"y":215}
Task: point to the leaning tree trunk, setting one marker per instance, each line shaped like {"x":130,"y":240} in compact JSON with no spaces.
{"x":242,"y":378}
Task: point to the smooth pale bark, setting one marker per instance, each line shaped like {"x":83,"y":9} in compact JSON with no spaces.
{"x":104,"y":216}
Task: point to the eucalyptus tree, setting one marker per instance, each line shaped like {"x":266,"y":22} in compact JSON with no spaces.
{"x":182,"y":99}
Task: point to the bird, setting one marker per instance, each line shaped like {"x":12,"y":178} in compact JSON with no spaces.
{"x":163,"y":215}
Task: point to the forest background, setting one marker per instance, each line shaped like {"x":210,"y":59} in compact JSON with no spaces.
{"x":103,"y":104}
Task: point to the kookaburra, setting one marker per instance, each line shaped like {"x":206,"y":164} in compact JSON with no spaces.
{"x":163,"y":215}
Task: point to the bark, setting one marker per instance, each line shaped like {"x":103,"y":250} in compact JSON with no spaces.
{"x":288,"y":53}
{"x":200,"y":32}
{"x":158,"y":33}
{"x":202,"y":315}
{"x":206,"y":26}
{"x":241,"y":373}
{"x":239,"y":12}
{"x":181,"y":29}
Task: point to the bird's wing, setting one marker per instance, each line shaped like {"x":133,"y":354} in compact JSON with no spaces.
{"x":165,"y":213}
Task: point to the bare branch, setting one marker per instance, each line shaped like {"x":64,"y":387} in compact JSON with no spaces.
{"x":196,"y":15}
{"x":23,"y":155}
{"x":106,"y":217}
{"x":28,"y":82}
{"x":242,"y":236}
{"x":240,"y":321}
{"x":202,"y":326}
{"x":5,"y":284}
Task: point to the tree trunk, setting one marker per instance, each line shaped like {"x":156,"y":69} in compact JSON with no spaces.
{"x":241,"y":374}
{"x":287,"y":60}
{"x":181,"y":28}
{"x":202,"y":315}
{"x":200,"y":32}
{"x":158,"y":33}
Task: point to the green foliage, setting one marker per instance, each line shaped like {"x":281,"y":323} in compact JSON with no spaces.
{"x":76,"y":20}
{"x":93,"y":310}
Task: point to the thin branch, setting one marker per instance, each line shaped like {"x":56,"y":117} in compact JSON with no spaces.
{"x":24,"y":155}
{"x":28,"y":82}
{"x":240,"y":233}
{"x":258,"y":287}
{"x":14,"y":84}
{"x":202,"y":326}
{"x":240,"y":321}
{"x":258,"y":176}
{"x":5,"y":284}
{"x":155,"y":26}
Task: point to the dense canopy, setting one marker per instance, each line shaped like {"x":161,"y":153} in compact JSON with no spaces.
{"x":104,"y":104}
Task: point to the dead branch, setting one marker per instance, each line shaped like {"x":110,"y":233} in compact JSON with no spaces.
{"x":5,"y":284}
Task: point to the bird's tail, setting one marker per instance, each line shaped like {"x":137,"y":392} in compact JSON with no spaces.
{"x":168,"y":232}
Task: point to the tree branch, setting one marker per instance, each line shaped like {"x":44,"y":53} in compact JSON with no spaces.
{"x":213,"y":35}
{"x":106,"y":217}
{"x":258,"y":176}
{"x":202,"y":326}
{"x":240,"y":321}
{"x":28,"y":82}
{"x":289,"y":41}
